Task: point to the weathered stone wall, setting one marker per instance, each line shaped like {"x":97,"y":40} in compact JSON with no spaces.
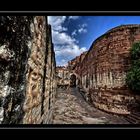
{"x":27,"y":63}
{"x":103,"y":70}
{"x":63,"y":76}
{"x":74,"y":64}
{"x":74,"y":67}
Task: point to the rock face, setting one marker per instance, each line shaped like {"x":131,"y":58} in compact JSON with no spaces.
{"x":103,"y":70}
{"x":27,"y":70}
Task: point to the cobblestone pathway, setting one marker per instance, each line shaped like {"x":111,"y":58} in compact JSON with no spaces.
{"x":71,"y":108}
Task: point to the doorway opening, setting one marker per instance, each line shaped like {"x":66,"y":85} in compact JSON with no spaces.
{"x":73,"y":80}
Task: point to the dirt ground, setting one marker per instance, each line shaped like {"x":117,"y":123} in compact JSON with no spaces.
{"x":71,"y":108}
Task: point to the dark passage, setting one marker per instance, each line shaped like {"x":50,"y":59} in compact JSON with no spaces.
{"x":73,"y":80}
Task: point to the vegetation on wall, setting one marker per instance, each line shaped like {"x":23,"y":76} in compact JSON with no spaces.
{"x":133,"y":75}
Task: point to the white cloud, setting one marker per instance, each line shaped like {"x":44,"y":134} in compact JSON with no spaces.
{"x":82,"y":28}
{"x":72,"y":50}
{"x":66,"y":47}
{"x":74,"y":33}
{"x":56,"y":22}
{"x":74,"y":17}
{"x":62,"y":38}
{"x":83,"y":25}
{"x":66,"y":53}
{"x":62,"y":62}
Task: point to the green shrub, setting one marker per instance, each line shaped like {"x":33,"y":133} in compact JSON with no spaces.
{"x":133,"y":75}
{"x":133,"y":79}
{"x":135,"y":51}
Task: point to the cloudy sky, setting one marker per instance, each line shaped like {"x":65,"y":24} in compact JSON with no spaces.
{"x":73,"y":35}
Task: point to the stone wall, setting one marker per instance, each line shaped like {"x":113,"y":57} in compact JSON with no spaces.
{"x":63,"y":76}
{"x":27,"y":65}
{"x":102,"y":72}
{"x":74,"y":67}
{"x":74,"y":64}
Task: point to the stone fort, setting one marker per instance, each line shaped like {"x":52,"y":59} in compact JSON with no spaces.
{"x":102,"y":70}
{"x":29,"y":77}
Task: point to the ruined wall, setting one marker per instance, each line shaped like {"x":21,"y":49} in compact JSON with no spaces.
{"x":104,"y":68}
{"x":26,"y":63}
{"x":74,"y":67}
{"x":63,"y":76}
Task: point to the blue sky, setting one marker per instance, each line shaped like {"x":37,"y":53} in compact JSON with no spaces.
{"x":73,"y":35}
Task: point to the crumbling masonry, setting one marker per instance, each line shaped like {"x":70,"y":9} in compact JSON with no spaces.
{"x":28,"y":79}
{"x":27,"y":70}
{"x":101,"y":74}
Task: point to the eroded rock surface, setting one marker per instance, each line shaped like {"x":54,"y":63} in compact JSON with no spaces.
{"x":27,"y":70}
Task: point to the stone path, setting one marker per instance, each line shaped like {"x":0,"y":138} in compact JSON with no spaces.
{"x":71,"y":108}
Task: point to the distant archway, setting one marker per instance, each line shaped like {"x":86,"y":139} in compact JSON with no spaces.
{"x":73,"y":80}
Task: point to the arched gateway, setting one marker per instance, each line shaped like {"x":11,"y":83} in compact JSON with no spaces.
{"x":72,"y":80}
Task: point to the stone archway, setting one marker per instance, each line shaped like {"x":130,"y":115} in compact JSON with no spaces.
{"x":73,"y":80}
